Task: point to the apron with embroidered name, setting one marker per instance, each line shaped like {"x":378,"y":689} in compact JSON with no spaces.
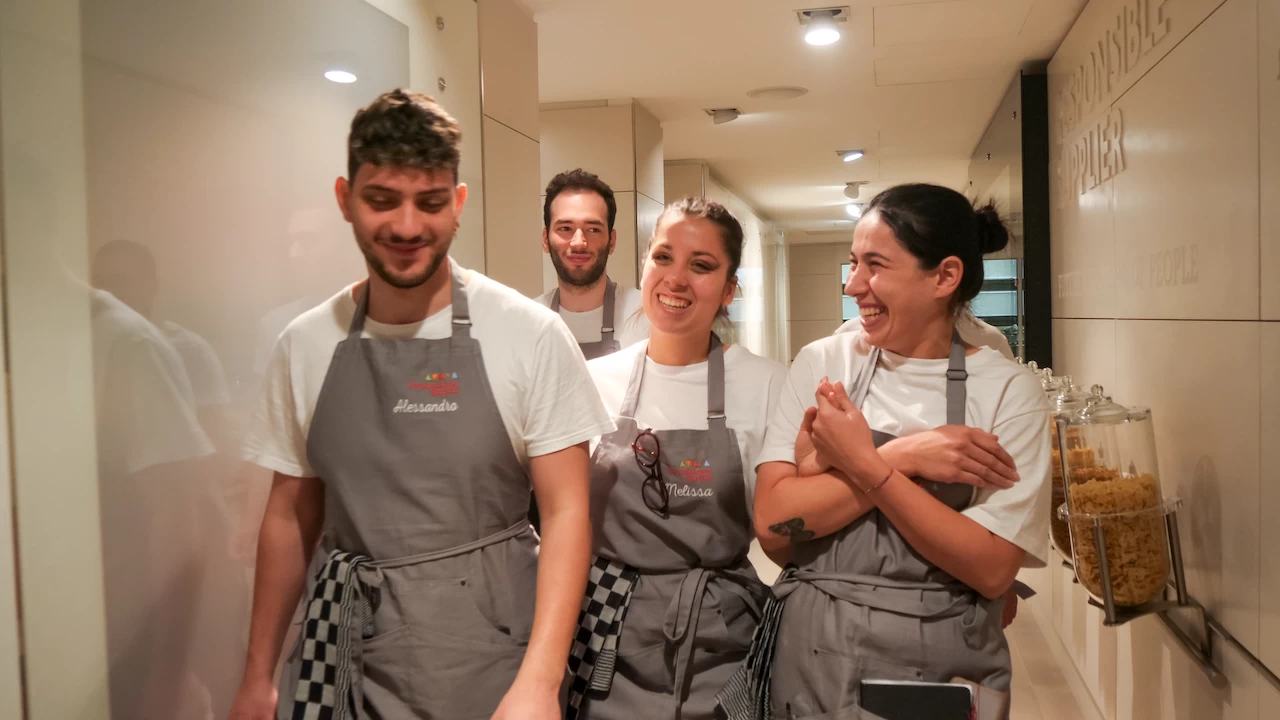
{"x":606,"y":345}
{"x":862,"y":604}
{"x":425,"y":505}
{"x":692,"y":598}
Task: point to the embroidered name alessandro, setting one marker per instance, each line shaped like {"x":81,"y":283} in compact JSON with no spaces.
{"x":404,"y":406}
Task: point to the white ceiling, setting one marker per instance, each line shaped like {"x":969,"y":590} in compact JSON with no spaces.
{"x":913,"y":83}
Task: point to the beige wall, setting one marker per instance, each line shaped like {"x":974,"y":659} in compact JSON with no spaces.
{"x":815,"y":292}
{"x":620,"y":141}
{"x":450,"y":54}
{"x":512,"y":211}
{"x":1162,"y":293}
{"x":54,"y":464}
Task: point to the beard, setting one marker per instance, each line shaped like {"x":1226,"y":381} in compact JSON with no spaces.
{"x":580,"y":277}
{"x":400,"y":280}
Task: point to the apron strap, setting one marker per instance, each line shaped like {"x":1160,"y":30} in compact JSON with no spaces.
{"x":681,"y":628}
{"x":461,"y":309}
{"x":632,"y":399}
{"x":607,"y":318}
{"x":956,"y":377}
{"x":458,"y":296}
{"x":957,"y":394}
{"x":356,"y":329}
{"x":715,"y":385}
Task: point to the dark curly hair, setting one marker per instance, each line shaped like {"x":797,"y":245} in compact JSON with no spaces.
{"x":404,"y":129}
{"x":580,"y":180}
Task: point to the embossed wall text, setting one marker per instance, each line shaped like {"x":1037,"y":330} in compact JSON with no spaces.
{"x":1138,"y":28}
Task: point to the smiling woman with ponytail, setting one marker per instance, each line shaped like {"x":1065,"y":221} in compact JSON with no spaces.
{"x":904,"y":479}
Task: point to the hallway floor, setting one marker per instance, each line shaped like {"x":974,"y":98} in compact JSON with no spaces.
{"x":1040,"y":691}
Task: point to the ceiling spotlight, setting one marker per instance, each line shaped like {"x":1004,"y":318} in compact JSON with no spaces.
{"x":340,"y":76}
{"x":854,"y":210}
{"x":820,"y":25}
{"x":854,"y":189}
{"x":849,"y":155}
{"x":721,"y":116}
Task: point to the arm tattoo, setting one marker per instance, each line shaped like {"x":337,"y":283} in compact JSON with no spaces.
{"x":794,"y":529}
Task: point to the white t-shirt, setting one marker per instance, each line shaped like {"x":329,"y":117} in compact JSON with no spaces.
{"x":146,"y":410}
{"x":972,"y":330}
{"x":208,"y":381}
{"x":673,"y":398}
{"x":630,"y":326}
{"x":909,"y":396}
{"x":539,"y":379}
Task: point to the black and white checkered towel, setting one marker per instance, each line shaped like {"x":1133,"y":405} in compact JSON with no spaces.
{"x":595,"y":647}
{"x":746,"y":695}
{"x":326,"y":683}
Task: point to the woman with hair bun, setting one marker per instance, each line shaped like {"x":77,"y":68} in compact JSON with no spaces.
{"x":904,"y":507}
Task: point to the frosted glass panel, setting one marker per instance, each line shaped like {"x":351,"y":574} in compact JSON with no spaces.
{"x":203,"y":221}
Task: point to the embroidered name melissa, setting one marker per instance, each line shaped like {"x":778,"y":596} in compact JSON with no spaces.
{"x":405,"y":406}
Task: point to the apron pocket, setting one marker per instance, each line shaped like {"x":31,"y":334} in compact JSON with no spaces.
{"x":456,"y":678}
{"x":385,"y":682}
{"x":449,"y":609}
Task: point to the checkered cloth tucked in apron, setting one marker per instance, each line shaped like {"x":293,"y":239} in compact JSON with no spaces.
{"x":595,"y":646}
{"x":328,"y":684}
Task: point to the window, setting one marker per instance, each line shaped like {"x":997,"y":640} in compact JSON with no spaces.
{"x":850,"y":307}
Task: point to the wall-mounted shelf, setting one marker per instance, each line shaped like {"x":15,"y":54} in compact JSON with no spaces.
{"x":1201,"y":651}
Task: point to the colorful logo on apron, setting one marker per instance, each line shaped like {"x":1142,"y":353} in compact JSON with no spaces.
{"x":693,"y":471}
{"x":439,"y":384}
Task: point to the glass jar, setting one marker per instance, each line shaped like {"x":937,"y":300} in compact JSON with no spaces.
{"x":1108,"y":455}
{"x":1065,"y":401}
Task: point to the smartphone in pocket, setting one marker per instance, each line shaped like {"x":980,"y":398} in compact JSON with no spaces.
{"x":914,"y":700}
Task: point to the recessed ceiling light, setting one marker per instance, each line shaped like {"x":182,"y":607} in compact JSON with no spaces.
{"x":340,"y":76}
{"x":854,"y":210}
{"x":776,"y":93}
{"x":854,"y":189}
{"x":849,"y":155}
{"x":820,"y":25}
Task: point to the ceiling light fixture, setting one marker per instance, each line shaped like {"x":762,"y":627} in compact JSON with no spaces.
{"x":854,"y":210}
{"x":820,"y":24}
{"x":777,"y":93}
{"x":340,"y":76}
{"x":720,"y":116}
{"x":854,"y":189}
{"x":850,"y":155}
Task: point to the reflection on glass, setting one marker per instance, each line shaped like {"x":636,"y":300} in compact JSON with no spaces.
{"x":211,"y":141}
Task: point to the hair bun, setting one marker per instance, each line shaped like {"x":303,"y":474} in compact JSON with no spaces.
{"x":993,"y":234}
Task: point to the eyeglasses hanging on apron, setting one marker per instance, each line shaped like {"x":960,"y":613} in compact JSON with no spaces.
{"x":435,"y":565}
{"x":861,"y":604}
{"x":672,"y":528}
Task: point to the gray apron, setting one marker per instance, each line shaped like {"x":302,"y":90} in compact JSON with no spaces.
{"x":696,"y":601}
{"x":864,"y":605}
{"x":861,"y":604}
{"x":607,"y":345}
{"x":420,"y":477}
